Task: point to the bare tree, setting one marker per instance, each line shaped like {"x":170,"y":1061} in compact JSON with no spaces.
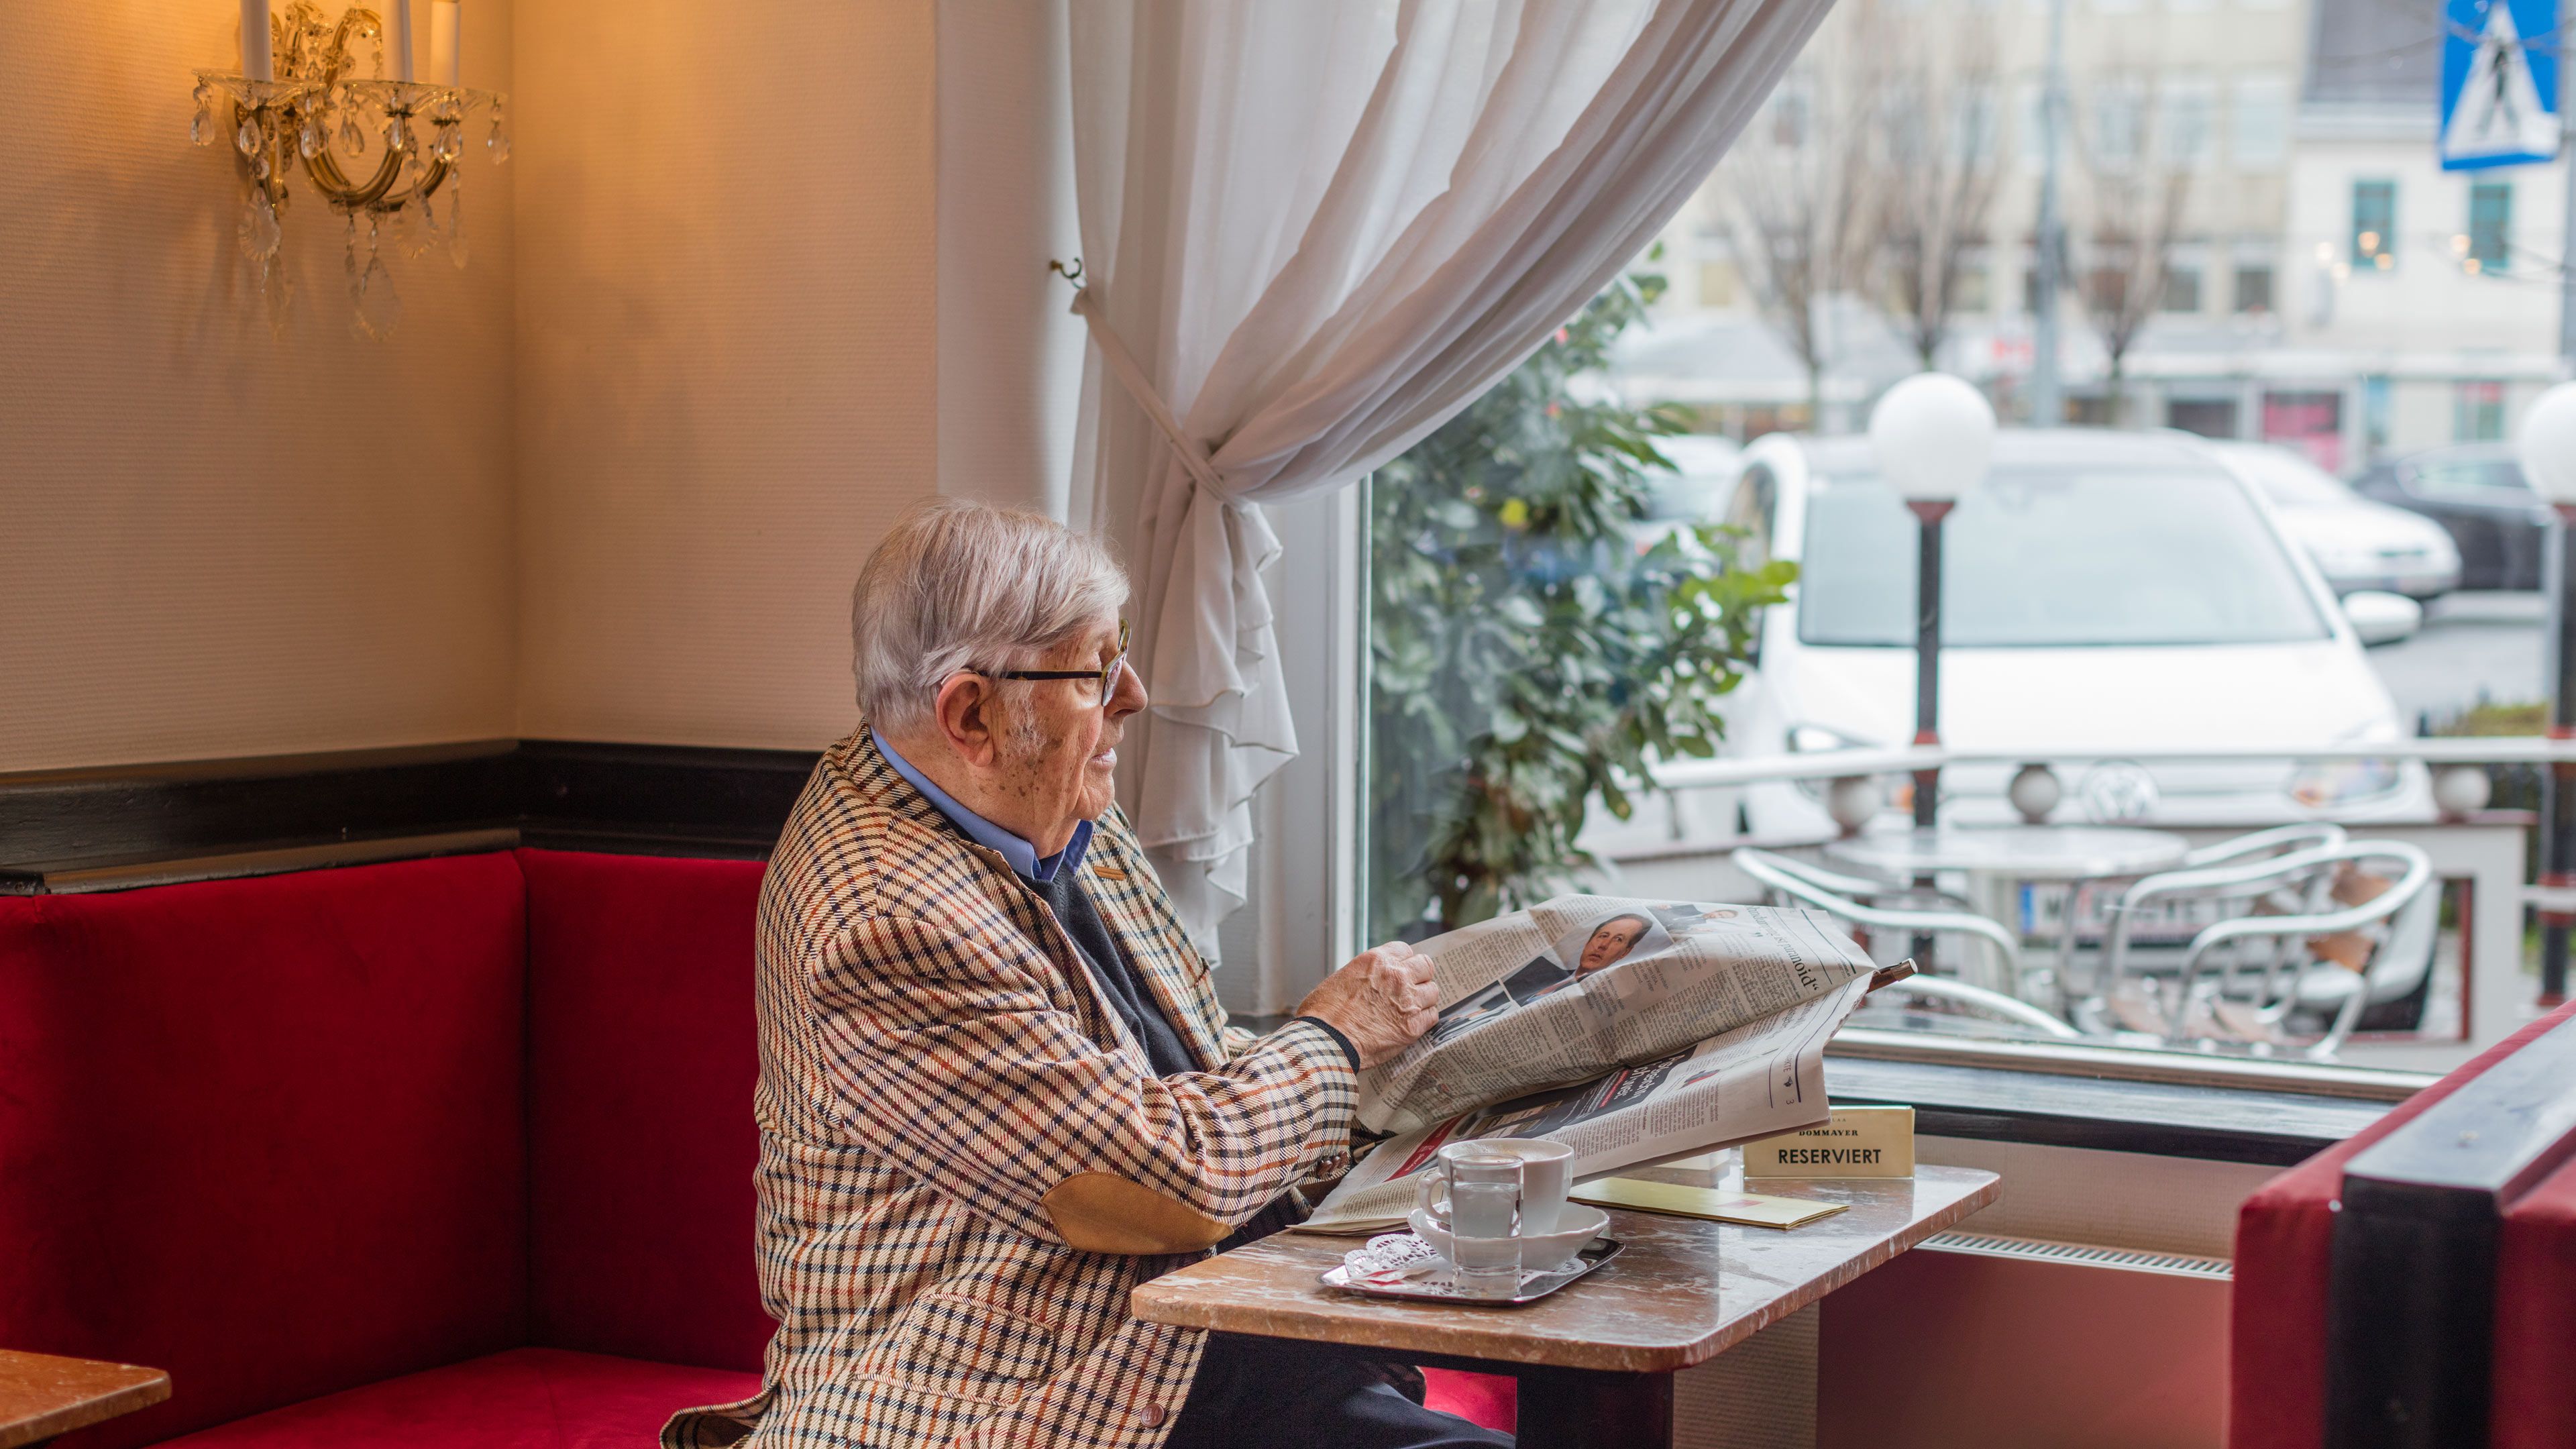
{"x":1942,"y":165}
{"x":2137,"y":155}
{"x":1798,"y":196}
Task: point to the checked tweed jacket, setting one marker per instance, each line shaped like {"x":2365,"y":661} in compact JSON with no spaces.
{"x":965,"y":1162}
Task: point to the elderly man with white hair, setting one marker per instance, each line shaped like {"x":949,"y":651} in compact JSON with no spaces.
{"x":996,"y":1089}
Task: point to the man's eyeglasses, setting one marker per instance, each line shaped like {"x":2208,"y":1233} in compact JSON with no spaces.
{"x":1106,"y":676}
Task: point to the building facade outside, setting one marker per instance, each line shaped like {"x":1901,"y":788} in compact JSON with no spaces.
{"x":2250,"y":193}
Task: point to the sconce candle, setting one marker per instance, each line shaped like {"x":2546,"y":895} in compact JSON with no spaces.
{"x":382,"y":152}
{"x":258,"y":61}
{"x":446,"y":63}
{"x":402,"y":40}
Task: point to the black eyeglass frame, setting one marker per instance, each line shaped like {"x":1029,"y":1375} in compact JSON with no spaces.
{"x":1107,"y":676}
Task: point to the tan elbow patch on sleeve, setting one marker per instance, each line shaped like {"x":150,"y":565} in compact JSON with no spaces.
{"x":1101,"y":1212}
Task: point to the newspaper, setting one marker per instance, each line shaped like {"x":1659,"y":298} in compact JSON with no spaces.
{"x":1764,"y":1077}
{"x":1570,"y":988}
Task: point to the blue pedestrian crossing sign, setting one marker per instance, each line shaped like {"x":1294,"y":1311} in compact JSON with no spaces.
{"x":2499,"y":83}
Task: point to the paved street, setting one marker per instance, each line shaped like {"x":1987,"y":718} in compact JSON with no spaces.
{"x":2472,"y":646}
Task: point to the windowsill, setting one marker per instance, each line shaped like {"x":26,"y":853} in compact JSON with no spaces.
{"x":2165,"y":1119}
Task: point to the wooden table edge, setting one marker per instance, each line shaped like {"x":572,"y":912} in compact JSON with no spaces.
{"x":151,"y":1386}
{"x":1638,"y":1359}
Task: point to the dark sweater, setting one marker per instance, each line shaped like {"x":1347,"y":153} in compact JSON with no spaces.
{"x":1165,"y":1052}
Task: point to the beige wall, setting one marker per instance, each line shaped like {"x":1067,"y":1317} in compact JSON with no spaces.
{"x":1010,"y":348}
{"x":726,"y":355}
{"x":782,"y":277}
{"x":778,"y":274}
{"x":215,"y":540}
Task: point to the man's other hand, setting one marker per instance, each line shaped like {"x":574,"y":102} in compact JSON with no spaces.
{"x":1381,"y":1000}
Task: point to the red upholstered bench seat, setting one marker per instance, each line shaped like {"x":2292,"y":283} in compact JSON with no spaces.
{"x":527,"y":1398}
{"x":451,"y":1151}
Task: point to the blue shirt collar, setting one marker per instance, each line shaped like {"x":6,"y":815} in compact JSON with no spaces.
{"x":1022,"y":856}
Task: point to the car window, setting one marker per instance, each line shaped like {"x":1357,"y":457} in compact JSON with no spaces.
{"x":2049,"y":558}
{"x":2492,"y":481}
{"x":2294,"y":482}
{"x":1756,"y":500}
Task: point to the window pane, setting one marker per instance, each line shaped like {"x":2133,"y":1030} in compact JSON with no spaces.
{"x":2185,"y":108}
{"x":2477,"y":413}
{"x":2118,"y":121}
{"x":2259,"y":121}
{"x":2038,"y":559}
{"x":2182,"y":290}
{"x":2490,"y":225}
{"x":2374,"y":223}
{"x":2254,"y":289}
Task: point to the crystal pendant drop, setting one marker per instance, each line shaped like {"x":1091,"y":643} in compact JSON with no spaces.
{"x":247,"y":138}
{"x":379,"y":308}
{"x":498,"y":143}
{"x":308,"y":141}
{"x":277,"y":291}
{"x":201,"y":129}
{"x":353,"y":137}
{"x":404,"y":225}
{"x":260,"y":233}
{"x":456,"y":225}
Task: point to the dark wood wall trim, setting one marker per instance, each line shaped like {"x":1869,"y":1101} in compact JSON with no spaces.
{"x":657,"y":799}
{"x":571,"y":794}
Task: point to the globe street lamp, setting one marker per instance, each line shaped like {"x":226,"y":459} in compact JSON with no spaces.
{"x":2548,"y":449}
{"x":1932,"y":434}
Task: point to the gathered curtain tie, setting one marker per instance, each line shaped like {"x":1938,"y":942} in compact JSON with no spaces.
{"x":1122,"y":364}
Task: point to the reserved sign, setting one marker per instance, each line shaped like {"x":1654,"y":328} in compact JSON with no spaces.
{"x":1854,"y":1142}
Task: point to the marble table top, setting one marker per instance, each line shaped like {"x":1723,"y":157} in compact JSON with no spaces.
{"x":42,"y":1396}
{"x":1684,"y":1292}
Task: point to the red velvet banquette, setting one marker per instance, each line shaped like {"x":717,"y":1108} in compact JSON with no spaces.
{"x":437,"y":1152}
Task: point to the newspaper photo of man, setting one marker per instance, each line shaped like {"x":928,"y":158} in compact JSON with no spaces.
{"x":1610,"y":941}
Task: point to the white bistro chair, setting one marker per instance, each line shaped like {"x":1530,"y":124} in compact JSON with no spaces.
{"x":1787,"y":878}
{"x":2291,"y":934}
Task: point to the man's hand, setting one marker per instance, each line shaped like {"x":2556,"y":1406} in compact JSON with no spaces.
{"x":1381,"y":999}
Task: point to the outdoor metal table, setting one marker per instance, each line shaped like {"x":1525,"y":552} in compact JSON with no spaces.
{"x":2077,"y":855}
{"x":1595,"y":1359}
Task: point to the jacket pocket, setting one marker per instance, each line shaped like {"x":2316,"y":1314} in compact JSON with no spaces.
{"x":958,"y":1347}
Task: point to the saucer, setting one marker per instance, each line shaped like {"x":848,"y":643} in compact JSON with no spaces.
{"x":1576,"y":1226}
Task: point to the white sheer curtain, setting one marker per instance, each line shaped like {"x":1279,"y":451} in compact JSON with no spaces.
{"x":1312,"y":231}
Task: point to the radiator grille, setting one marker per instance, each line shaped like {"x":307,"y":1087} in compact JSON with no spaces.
{"x":2031,"y":1250}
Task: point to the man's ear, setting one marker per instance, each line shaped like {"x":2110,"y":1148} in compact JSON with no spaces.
{"x":965,"y":710}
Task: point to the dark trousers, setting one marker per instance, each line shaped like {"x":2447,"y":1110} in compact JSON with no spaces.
{"x":1278,"y":1393}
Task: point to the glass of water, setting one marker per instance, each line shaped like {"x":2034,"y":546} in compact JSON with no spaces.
{"x":1483,"y":1213}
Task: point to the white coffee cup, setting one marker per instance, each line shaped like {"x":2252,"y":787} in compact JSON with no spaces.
{"x":1545,"y":1176}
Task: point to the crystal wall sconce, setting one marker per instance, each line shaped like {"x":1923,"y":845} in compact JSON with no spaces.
{"x":385,"y":153}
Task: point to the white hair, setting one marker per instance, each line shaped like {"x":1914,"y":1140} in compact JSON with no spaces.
{"x":961,"y":585}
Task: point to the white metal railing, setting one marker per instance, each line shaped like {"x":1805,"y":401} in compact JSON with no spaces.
{"x":1845,"y":764}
